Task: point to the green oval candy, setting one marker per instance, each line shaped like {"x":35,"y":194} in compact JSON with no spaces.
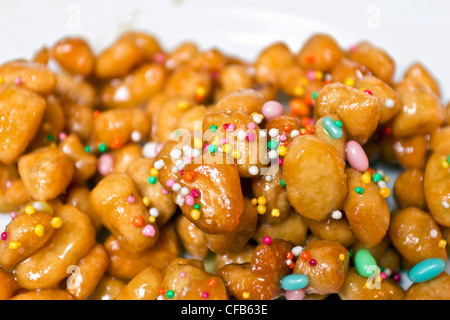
{"x":365,"y":263}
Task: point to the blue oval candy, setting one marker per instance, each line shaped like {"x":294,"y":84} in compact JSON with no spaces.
{"x":426,"y":270}
{"x":294,"y":282}
{"x":332,"y":128}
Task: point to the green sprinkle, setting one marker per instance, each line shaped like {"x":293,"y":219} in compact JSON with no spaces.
{"x":377,"y":177}
{"x":448,"y":159}
{"x":50,"y":137}
{"x":272,"y":144}
{"x":87,"y":149}
{"x":282,"y":183}
{"x":338,"y":123}
{"x":314,"y":95}
{"x":170,"y":294}
{"x":359,"y":190}
{"x":213,"y":128}
{"x":176,"y":132}
{"x":196,"y":206}
{"x":102,"y":147}
{"x":212,"y":148}
{"x":152,"y":180}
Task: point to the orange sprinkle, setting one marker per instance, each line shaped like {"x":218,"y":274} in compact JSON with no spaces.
{"x":310,"y":100}
{"x":286,"y":128}
{"x":189,"y":175}
{"x":370,"y":171}
{"x":310,"y":59}
{"x":304,"y":121}
{"x":285,"y":143}
{"x":212,"y":282}
{"x":96,"y":113}
{"x":310,"y":129}
{"x":290,"y":255}
{"x":117,"y":142}
{"x":305,"y":255}
{"x":138,"y":221}
{"x":299,"y":107}
{"x":162,"y":291}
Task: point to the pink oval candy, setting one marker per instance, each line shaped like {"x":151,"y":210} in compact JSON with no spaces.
{"x":356,"y":156}
{"x":105,"y":164}
{"x":295,"y":294}
{"x":189,"y":200}
{"x":272,"y":109}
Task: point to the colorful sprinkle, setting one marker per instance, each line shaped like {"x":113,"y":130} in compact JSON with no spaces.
{"x":149,"y":231}
{"x":13,"y":245}
{"x":138,"y":221}
{"x":267,"y":240}
{"x":332,"y":128}
{"x":29,"y":210}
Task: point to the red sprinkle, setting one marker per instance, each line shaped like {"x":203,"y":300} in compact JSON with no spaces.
{"x":305,"y":255}
{"x":312,"y":262}
{"x":4,"y":236}
{"x":212,"y":282}
{"x":267,"y":240}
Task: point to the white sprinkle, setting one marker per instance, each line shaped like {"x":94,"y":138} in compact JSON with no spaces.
{"x":38,"y":206}
{"x":257,"y":118}
{"x":174,"y":169}
{"x":380,"y":172}
{"x":268,"y":178}
{"x":336,"y":214}
{"x":445,"y":204}
{"x":273,"y":132}
{"x":388,"y":272}
{"x":294,"y":133}
{"x":149,"y":150}
{"x":272,"y":154}
{"x":262,"y":133}
{"x":253,"y":170}
{"x":381,"y":184}
{"x":176,"y":187}
{"x":180,"y":164}
{"x":187,"y":151}
{"x":154,"y":212}
{"x":136,"y":136}
{"x":241,"y":135}
{"x":159,"y":164}
{"x":433,"y":233}
{"x":179,"y":200}
{"x":160,"y":297}
{"x":196,"y":153}
{"x":389,"y":103}
{"x":288,"y":262}
{"x":184,"y":191}
{"x":296,"y":251}
{"x":175,"y":154}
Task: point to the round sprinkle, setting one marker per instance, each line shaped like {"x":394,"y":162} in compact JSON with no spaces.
{"x":154,"y":212}
{"x":262,"y":200}
{"x":213,"y":128}
{"x":254,"y":201}
{"x":261,"y":209}
{"x":296,"y":251}
{"x":267,"y":240}
{"x":275,"y":213}
{"x":282,"y":150}
{"x":212,"y":282}
{"x":151,"y":219}
{"x":272,"y":144}
{"x":29,"y":210}
{"x":56,"y":222}
{"x":197,"y":206}
{"x":13,"y":215}
{"x":312,"y":262}
{"x":442,"y":243}
{"x":433,"y":233}
{"x":102,"y":147}
{"x":131,"y":199}
{"x":273,"y":132}
{"x":212,"y":148}
{"x":170,"y":294}
{"x":149,"y":231}
{"x":241,"y":135}
{"x":268,"y":178}
{"x":138,"y":221}
{"x":4,"y":236}
{"x":305,"y":255}
{"x":253,"y":170}
{"x":349,"y":82}
{"x":283,"y":183}
{"x":445,"y":204}
{"x":38,"y":206}
{"x":389,"y":103}
{"x":294,"y":133}
{"x":175,"y":154}
{"x":359,"y":190}
{"x":377,"y":177}
{"x":272,"y":154}
{"x":336,"y":214}
{"x":195,"y":214}
{"x":39,"y":230}
{"x":13,"y":245}
{"x":152,"y":180}
{"x":341,"y":256}
{"x":245,"y":295}
{"x":385,"y":192}
{"x":176,"y":187}
{"x":205,"y":295}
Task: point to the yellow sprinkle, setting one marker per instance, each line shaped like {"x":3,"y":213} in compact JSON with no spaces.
{"x":200,"y":91}
{"x":319,"y":75}
{"x":379,"y":279}
{"x":275,"y":213}
{"x":198,"y":143}
{"x":56,"y":222}
{"x":29,"y":210}
{"x":262,"y":200}
{"x":299,"y":91}
{"x":154,"y":172}
{"x":151,"y":219}
{"x":236,"y":154}
{"x":261,"y":209}
{"x":227,"y":148}
{"x":385,"y":192}
{"x":146,"y":201}
{"x":282,"y":150}
{"x":366,"y":178}
{"x":341,"y":256}
{"x":195,"y":214}
{"x":302,"y":131}
{"x":14,"y":245}
{"x":216,"y":141}
{"x":39,"y":230}
{"x":245,"y":295}
{"x":254,"y":201}
{"x":368,"y":285}
{"x":445,"y":164}
{"x":442,"y":243}
{"x":1,"y":80}
{"x":183,"y":105}
{"x":349,"y":82}
{"x":304,"y":81}
{"x":386,"y":178}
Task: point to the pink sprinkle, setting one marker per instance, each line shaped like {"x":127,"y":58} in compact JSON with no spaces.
{"x":223,"y":141}
{"x":8,"y":184}
{"x":205,"y":295}
{"x":186,"y":159}
{"x":280,"y":162}
{"x":149,"y":231}
{"x":267,"y":240}
{"x":369,"y":92}
{"x":182,"y":274}
{"x":230,"y":127}
{"x":353,"y":48}
{"x":182,"y":171}
{"x":195,"y":193}
{"x":131,"y":199}
{"x":312,"y":262}
{"x":105,"y":164}
{"x":18,"y":81}
{"x":159,"y":58}
{"x":311,"y":75}
{"x":283,"y":137}
{"x":383,"y":275}
{"x":225,"y":126}
{"x":4,"y":236}
{"x":205,"y":147}
{"x":396,"y":277}
{"x":311,"y":121}
{"x":251,"y":126}
{"x":189,"y":200}
{"x":165,"y":191}
{"x":62,"y":136}
{"x":170,"y":183}
{"x":13,"y":215}
{"x":251,"y":136}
